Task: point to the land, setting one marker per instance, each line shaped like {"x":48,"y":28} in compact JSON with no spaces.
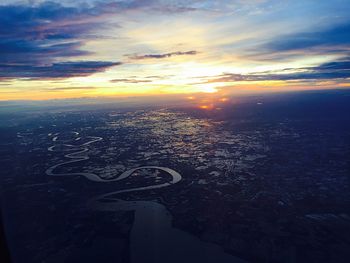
{"x":266,"y":180}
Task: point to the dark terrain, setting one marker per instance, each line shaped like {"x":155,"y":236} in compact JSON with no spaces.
{"x":265,"y":177}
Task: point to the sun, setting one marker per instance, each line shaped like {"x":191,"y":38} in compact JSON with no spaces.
{"x":208,"y":89}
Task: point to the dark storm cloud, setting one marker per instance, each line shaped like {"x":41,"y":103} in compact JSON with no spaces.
{"x":55,"y":70}
{"x":331,"y":70}
{"x":159,"y":56}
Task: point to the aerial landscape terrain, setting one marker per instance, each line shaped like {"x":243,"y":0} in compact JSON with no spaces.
{"x":168,"y":131}
{"x":256,"y":181}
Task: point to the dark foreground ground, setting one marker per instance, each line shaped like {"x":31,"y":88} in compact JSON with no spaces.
{"x":264,"y":177}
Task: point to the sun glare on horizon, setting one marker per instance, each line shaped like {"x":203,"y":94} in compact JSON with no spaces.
{"x":63,"y":49}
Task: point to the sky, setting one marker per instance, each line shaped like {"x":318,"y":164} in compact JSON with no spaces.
{"x":96,"y":48}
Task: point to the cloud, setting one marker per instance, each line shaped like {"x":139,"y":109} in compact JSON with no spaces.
{"x":144,"y":79}
{"x":160,"y":56}
{"x":131,"y":80}
{"x":332,"y":40}
{"x":22,"y":52}
{"x":167,"y":7}
{"x":336,"y":37}
{"x":47,"y":21}
{"x":33,"y":38}
{"x":55,"y":70}
{"x":332,"y":70}
{"x":70,"y":88}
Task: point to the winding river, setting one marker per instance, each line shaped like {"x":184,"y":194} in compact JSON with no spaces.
{"x":152,"y":237}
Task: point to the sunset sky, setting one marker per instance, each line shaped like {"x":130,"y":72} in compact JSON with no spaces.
{"x":71,"y":49}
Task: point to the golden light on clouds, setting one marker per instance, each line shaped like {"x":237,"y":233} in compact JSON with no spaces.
{"x":136,"y":50}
